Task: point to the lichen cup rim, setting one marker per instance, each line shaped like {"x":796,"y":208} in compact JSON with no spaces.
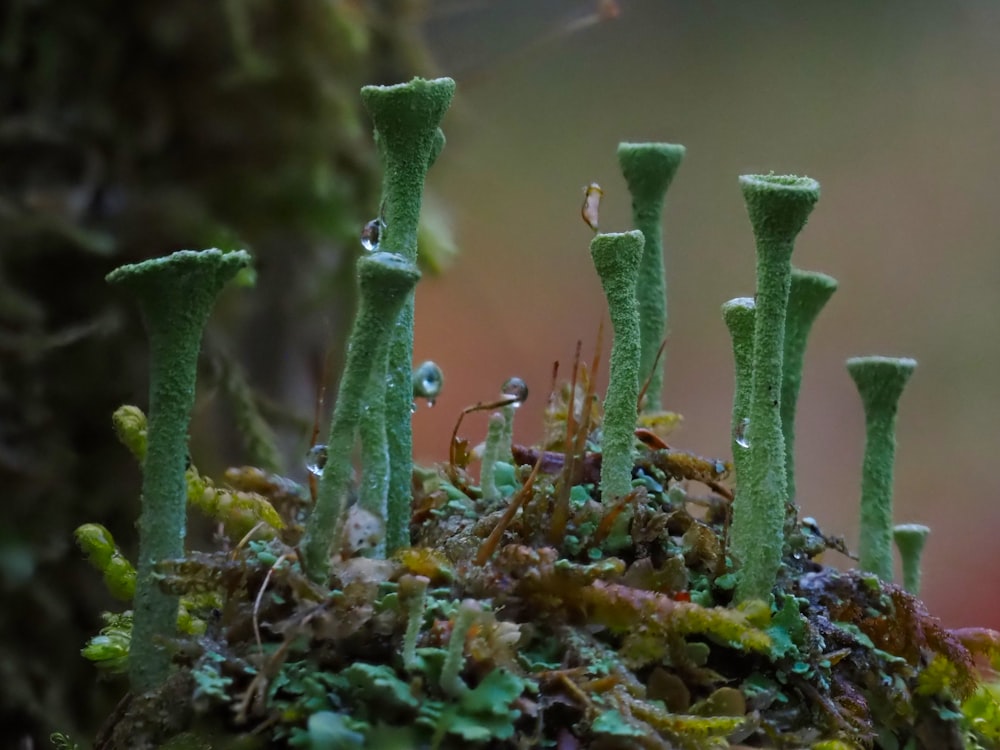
{"x":786,"y":181}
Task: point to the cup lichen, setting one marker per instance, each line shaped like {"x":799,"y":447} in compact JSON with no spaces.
{"x":880,"y":382}
{"x":649,"y":169}
{"x":778,"y":207}
{"x":385,"y":282}
{"x":406,"y":118}
{"x":176,"y":295}
{"x":617,"y":258}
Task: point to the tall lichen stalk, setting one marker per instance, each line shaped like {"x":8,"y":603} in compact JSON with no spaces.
{"x":808,"y":294}
{"x":385,"y":283}
{"x":617,"y":258}
{"x":176,"y":294}
{"x":649,"y":168}
{"x":406,"y":119}
{"x":778,"y":207}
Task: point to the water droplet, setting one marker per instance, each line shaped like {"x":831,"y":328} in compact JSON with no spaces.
{"x":370,"y":235}
{"x":316,"y":459}
{"x":514,"y":388}
{"x":742,"y":436}
{"x":428,"y":379}
{"x":413,"y":407}
{"x":431,"y":402}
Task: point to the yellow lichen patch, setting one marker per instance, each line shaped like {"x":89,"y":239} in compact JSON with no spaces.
{"x":426,"y":561}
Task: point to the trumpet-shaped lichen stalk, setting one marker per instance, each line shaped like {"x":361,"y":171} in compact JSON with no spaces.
{"x":739,"y":316}
{"x":649,"y":168}
{"x":406,"y":119}
{"x":808,"y":294}
{"x":451,"y":680}
{"x":385,"y":282}
{"x":778,"y":207}
{"x":617,"y":258}
{"x":175,"y":294}
{"x":880,"y":382}
{"x":910,"y":539}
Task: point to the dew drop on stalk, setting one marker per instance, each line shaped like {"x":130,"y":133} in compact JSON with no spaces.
{"x":742,"y":436}
{"x":428,"y":379}
{"x":514,"y":388}
{"x":316,"y":459}
{"x":370,"y":235}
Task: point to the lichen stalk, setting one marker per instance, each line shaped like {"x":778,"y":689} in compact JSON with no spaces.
{"x":413,"y":591}
{"x":739,"y":315}
{"x":808,"y":295}
{"x":617,"y":258}
{"x":406,"y":119}
{"x":507,"y":440}
{"x":385,"y":282}
{"x":491,"y":454}
{"x":451,"y":681}
{"x":910,"y":539}
{"x":176,"y":295}
{"x":649,"y":168}
{"x":778,"y":207}
{"x":880,"y":382}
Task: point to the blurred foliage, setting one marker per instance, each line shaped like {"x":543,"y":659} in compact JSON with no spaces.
{"x":129,"y":130}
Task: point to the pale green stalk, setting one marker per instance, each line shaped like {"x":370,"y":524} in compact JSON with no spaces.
{"x":649,"y":168}
{"x":910,"y":539}
{"x":176,"y":295}
{"x":880,"y":382}
{"x":406,"y":119}
{"x":809,"y":293}
{"x":778,"y":207}
{"x":616,"y":258}
{"x":739,"y":316}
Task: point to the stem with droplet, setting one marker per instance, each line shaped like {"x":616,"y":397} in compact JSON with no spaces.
{"x":910,"y":539}
{"x":739,"y":316}
{"x":616,"y":258}
{"x":406,"y":119}
{"x":176,"y":295}
{"x":880,"y":382}
{"x":385,"y":282}
{"x":778,"y":207}
{"x":649,"y":168}
{"x":808,"y":294}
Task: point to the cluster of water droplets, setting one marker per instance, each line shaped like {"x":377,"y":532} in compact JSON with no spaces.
{"x":514,"y":388}
{"x":428,"y":379}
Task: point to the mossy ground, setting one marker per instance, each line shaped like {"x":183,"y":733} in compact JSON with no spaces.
{"x":585,"y":626}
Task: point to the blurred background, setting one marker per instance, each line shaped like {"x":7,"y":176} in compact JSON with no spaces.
{"x":240,"y":125}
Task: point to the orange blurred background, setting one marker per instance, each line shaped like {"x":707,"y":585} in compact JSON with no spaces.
{"x":894,"y":107}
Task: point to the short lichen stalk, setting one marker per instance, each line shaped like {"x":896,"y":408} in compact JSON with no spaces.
{"x":406,"y":119}
{"x":808,"y":295}
{"x":778,"y":207}
{"x":385,"y":282}
{"x":176,"y":294}
{"x":649,"y":168}
{"x":880,"y":382}
{"x":739,"y":316}
{"x":910,"y":539}
{"x":491,"y":454}
{"x":616,"y":258}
